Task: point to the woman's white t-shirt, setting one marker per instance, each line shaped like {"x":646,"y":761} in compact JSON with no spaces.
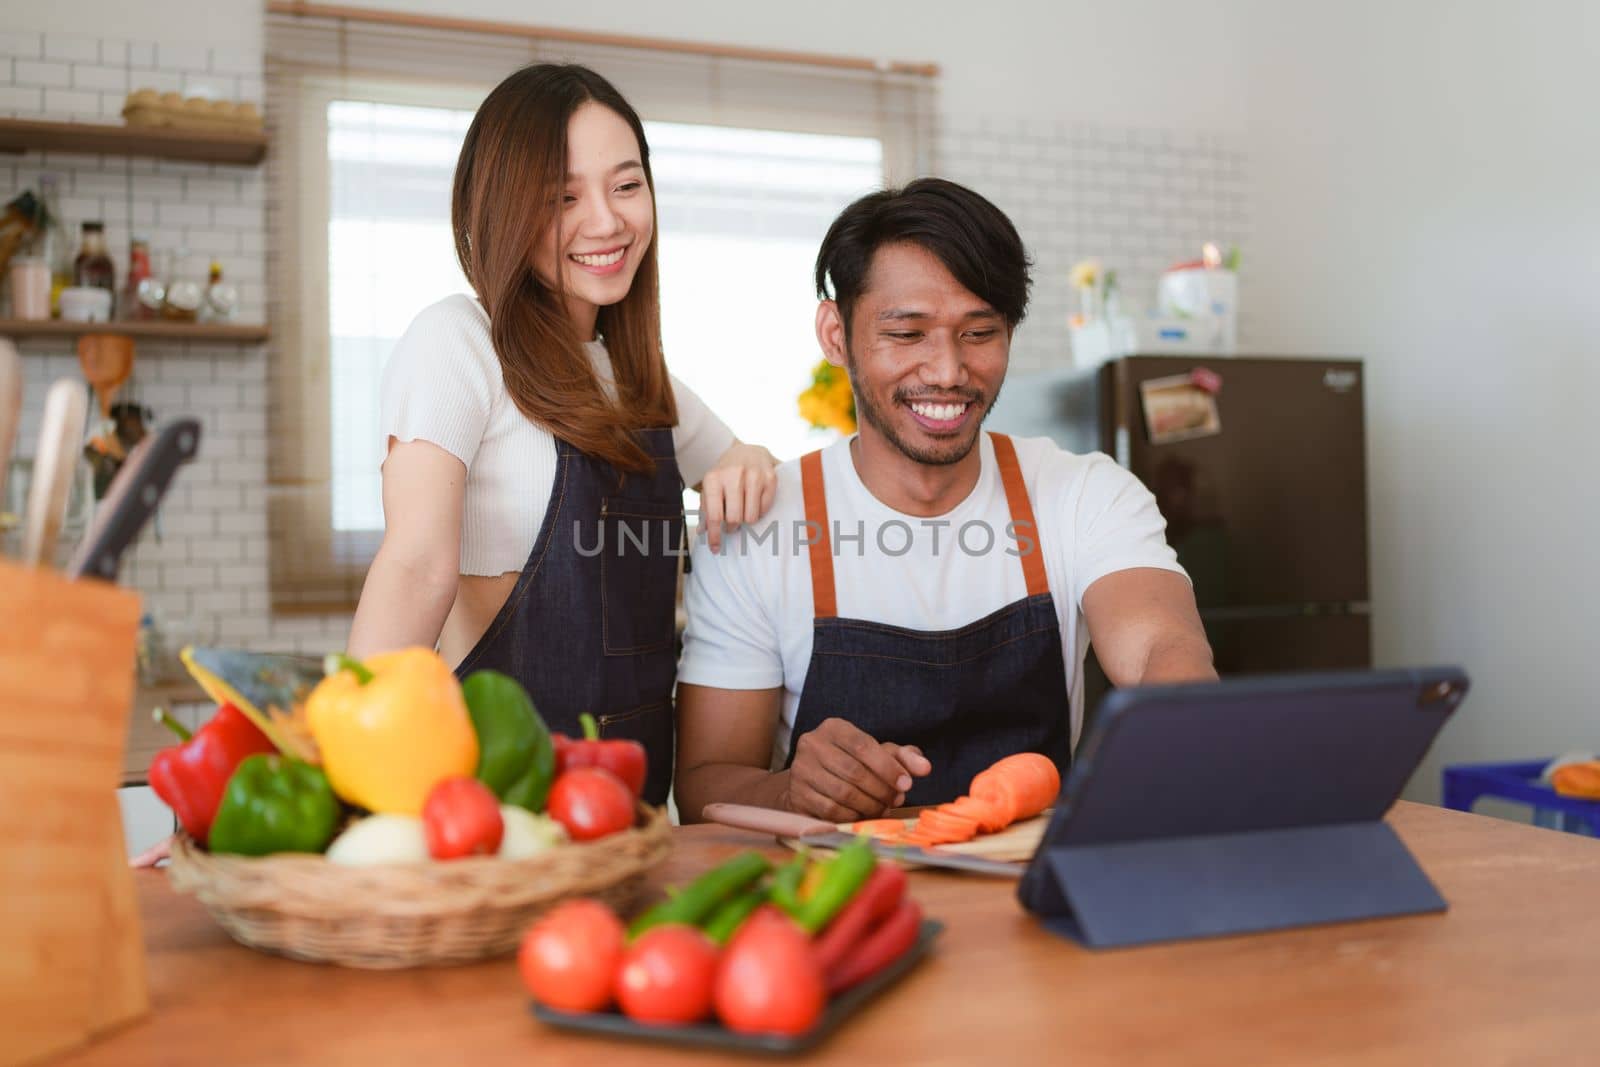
{"x":443,"y":385}
{"x":750,"y":606}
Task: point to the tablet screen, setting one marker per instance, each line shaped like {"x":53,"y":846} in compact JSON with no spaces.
{"x":1252,"y":754}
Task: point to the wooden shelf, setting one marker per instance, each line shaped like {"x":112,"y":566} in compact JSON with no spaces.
{"x":155,"y":329}
{"x":25,"y":135}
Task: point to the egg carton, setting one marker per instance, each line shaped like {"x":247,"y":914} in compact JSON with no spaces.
{"x":146,"y":107}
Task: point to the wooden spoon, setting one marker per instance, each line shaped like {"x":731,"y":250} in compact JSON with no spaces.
{"x":107,"y":361}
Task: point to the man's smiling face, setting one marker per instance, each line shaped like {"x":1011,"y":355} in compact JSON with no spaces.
{"x":926,"y":356}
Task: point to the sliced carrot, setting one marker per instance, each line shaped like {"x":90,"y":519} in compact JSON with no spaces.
{"x":939,"y":822}
{"x":879,"y":827}
{"x":988,"y":817}
{"x":1022,"y":785}
{"x":997,"y":793}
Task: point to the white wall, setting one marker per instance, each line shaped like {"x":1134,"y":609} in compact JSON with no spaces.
{"x":1158,"y":63}
{"x":1426,"y":197}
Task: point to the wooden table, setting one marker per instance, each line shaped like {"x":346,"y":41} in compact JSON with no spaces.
{"x":1511,"y":974}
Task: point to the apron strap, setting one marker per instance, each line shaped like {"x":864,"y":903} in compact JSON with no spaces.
{"x":1005,"y":454}
{"x":823,"y":595}
{"x":825,"y":602}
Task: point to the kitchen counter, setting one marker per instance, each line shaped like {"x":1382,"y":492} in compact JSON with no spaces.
{"x":1507,"y":975}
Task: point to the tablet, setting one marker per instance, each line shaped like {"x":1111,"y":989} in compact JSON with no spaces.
{"x":1264,"y":756}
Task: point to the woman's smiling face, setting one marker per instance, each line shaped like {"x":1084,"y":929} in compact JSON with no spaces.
{"x":606,"y":216}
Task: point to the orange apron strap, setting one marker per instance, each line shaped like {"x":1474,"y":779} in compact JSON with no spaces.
{"x":1027,"y":530}
{"x":823,"y":596}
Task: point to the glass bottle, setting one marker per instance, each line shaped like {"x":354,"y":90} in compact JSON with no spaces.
{"x":221,"y":297}
{"x":138,"y":274}
{"x":186,"y":289}
{"x":93,"y":268}
{"x":53,"y":246}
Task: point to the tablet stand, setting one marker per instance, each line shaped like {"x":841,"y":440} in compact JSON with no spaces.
{"x":1137,"y":892}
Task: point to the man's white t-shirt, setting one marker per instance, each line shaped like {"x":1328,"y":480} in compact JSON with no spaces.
{"x":750,"y":606}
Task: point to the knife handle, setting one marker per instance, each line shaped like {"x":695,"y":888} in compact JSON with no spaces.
{"x":765,"y":820}
{"x":66,"y":408}
{"x":10,"y":407}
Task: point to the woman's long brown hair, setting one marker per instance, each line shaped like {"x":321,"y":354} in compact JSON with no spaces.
{"x":507,"y":192}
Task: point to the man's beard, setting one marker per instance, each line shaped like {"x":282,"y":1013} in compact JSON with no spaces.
{"x":942,"y":454}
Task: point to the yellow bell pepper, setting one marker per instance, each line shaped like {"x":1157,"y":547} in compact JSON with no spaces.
{"x":390,"y":729}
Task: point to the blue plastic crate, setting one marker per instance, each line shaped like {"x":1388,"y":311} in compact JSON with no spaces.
{"x":1466,"y":783}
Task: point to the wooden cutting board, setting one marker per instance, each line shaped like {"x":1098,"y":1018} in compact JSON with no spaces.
{"x":1015,"y":844}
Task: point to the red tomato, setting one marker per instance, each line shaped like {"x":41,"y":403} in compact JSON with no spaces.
{"x":569,"y":958}
{"x":667,"y":976}
{"x":769,"y":981}
{"x":590,"y":803}
{"x":461,"y":817}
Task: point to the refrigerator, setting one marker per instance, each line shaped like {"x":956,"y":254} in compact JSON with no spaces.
{"x":1259,"y":467}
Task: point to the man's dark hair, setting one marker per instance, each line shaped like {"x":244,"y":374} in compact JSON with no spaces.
{"x":972,"y":238}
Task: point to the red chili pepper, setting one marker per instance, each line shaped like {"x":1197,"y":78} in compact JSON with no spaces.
{"x":872,"y":904}
{"x":891,"y":940}
{"x":625,"y":759}
{"x":190,"y":777}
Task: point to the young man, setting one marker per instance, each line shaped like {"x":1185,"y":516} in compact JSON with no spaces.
{"x":919,"y":602}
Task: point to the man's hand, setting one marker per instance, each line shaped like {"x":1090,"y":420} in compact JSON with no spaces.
{"x":841,"y":774}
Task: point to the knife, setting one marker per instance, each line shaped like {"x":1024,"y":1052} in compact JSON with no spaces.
{"x":10,"y":408}
{"x":135,"y":491}
{"x":809,"y":831}
{"x":60,"y":436}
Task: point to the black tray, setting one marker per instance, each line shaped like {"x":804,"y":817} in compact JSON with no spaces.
{"x":714,"y":1035}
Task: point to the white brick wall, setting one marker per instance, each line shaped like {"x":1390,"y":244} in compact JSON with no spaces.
{"x":203,"y":566}
{"x":1137,"y":200}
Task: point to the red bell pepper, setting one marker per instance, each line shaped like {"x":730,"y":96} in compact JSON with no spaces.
{"x":625,"y":759}
{"x":190,"y":777}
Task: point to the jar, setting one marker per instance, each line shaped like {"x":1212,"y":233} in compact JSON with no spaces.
{"x":85,"y":303}
{"x":30,"y":288}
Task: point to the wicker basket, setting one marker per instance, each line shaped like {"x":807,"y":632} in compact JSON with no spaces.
{"x":410,"y":915}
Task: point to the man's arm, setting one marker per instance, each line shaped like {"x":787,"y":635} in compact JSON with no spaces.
{"x":1146,"y":629}
{"x":725,"y":748}
{"x":840,"y":773}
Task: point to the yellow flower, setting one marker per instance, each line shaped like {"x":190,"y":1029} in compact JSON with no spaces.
{"x":1086,"y":274}
{"x":829,"y":403}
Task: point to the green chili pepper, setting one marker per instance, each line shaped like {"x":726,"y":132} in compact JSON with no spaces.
{"x":275,"y":804}
{"x":702,"y":896}
{"x":786,"y":884}
{"x":516,"y":756}
{"x":727,"y":919}
{"x":845,"y":874}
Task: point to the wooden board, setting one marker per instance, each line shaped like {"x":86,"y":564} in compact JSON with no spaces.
{"x":1015,"y":844}
{"x":71,"y":957}
{"x":103,"y":138}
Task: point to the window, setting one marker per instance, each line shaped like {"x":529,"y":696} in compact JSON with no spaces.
{"x":752,"y":162}
{"x":741,"y":215}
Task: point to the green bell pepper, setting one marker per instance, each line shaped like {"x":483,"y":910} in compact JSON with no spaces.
{"x":275,"y":804}
{"x":516,"y":756}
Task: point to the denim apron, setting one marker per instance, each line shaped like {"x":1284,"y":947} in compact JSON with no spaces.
{"x":589,"y":624}
{"x":966,"y":697}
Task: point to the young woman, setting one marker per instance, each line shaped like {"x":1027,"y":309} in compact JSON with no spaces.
{"x":537,"y":446}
